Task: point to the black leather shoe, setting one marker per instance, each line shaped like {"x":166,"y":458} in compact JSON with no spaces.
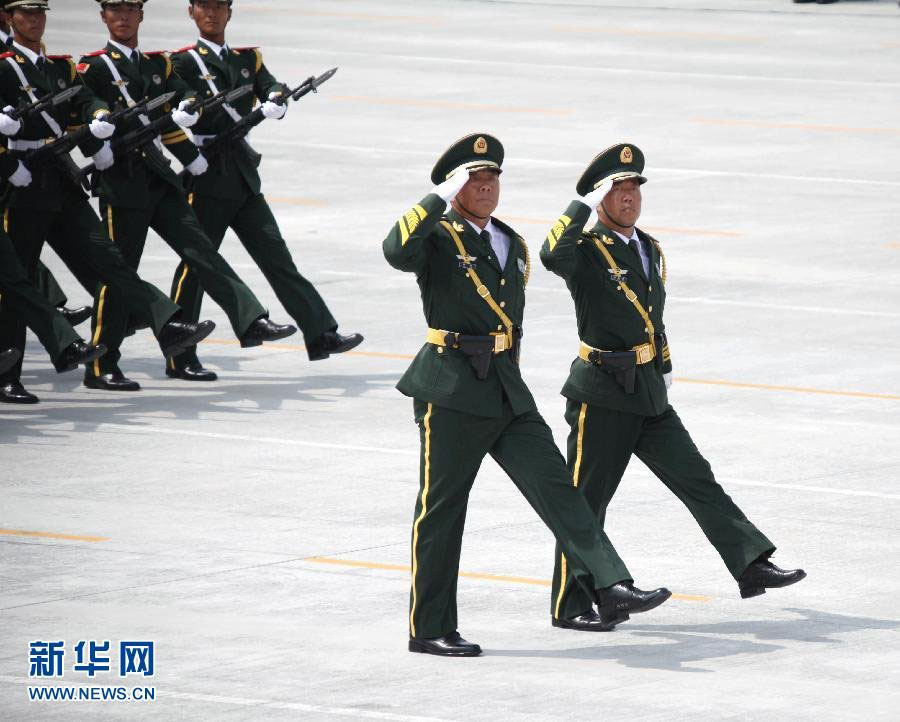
{"x":116,"y":381}
{"x":178,"y":336}
{"x":8,"y":359}
{"x":76,"y":354}
{"x":193,"y":371}
{"x":262,"y":329}
{"x":620,"y":600}
{"x":332,"y":342}
{"x":75,"y":315}
{"x":15,"y":393}
{"x":450,"y":645}
{"x":590,"y":621}
{"x":762,"y":573}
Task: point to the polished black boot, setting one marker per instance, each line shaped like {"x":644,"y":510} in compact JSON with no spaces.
{"x":8,"y":359}
{"x":332,"y":342}
{"x":762,"y":574}
{"x":450,"y":645}
{"x":590,"y":621}
{"x":192,"y":371}
{"x":262,"y":329}
{"x":14,"y":393}
{"x":116,"y":381}
{"x":617,"y":602}
{"x":78,"y":354}
{"x":75,"y":315}
{"x":178,"y":336}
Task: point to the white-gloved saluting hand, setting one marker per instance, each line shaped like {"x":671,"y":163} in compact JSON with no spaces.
{"x":592,"y":199}
{"x":182,"y":118}
{"x":100,"y":128}
{"x":104,"y":158}
{"x":272,"y":110}
{"x":8,"y":126}
{"x":198,"y":166}
{"x":22,"y":176}
{"x":453,"y":185}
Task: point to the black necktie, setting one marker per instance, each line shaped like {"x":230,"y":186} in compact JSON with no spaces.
{"x":39,"y":63}
{"x":635,"y":244}
{"x":223,"y":55}
{"x":136,"y":58}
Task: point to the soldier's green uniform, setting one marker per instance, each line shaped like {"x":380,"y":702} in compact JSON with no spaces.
{"x":608,"y":424}
{"x":53,"y":206}
{"x":229,"y":195}
{"x":141,"y":191}
{"x":463,"y":418}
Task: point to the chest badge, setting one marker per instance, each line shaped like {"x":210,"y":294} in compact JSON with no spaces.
{"x":245,"y":73}
{"x":120,"y":83}
{"x":617,"y":276}
{"x":61,"y":83}
{"x":157,"y":79}
{"x":466,"y":262}
{"x":521,"y":263}
{"x":209,"y":77}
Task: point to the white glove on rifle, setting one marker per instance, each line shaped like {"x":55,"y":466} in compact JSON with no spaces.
{"x":198,"y":166}
{"x":99,"y":128}
{"x":592,"y":199}
{"x":104,"y":158}
{"x":272,"y":110}
{"x":453,"y":185}
{"x":8,"y":126}
{"x":668,"y":379}
{"x":22,"y":176}
{"x":182,"y":118}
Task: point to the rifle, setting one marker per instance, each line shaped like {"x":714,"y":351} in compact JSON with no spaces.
{"x":236,"y":134}
{"x":146,"y":134}
{"x":50,"y":100}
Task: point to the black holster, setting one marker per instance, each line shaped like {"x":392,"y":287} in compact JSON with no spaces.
{"x":254,"y":157}
{"x":621,"y":364}
{"x":478,"y":349}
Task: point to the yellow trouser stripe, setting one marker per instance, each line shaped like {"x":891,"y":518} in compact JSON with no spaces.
{"x":415,"y":561}
{"x":178,"y":289}
{"x":110,"y":229}
{"x":6,"y":220}
{"x":98,"y":331}
{"x":579,"y":447}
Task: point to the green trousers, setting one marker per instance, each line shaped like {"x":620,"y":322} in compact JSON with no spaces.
{"x":172,"y":218}
{"x":256,"y":227}
{"x":601,"y":443}
{"x":49,"y":287}
{"x":453,"y":445}
{"x":75,"y":227}
{"x":24,"y":300}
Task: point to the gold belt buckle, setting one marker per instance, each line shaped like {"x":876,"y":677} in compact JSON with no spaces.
{"x":500,"y":343}
{"x":644,"y":354}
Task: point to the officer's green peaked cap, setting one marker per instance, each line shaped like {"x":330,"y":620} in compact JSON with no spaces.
{"x":475,"y":151}
{"x":618,"y":162}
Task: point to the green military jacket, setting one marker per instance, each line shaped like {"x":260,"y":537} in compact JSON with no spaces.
{"x":606,"y":318}
{"x":126,"y":184}
{"x":48,"y":181}
{"x":444,"y":376}
{"x":231,"y":174}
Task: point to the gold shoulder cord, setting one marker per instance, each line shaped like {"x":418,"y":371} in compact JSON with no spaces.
{"x":480,"y":288}
{"x":527,"y":261}
{"x":662,"y":257}
{"x":629,"y":294}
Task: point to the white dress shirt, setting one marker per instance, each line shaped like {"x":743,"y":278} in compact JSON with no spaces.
{"x":28,"y":53}
{"x":217,"y":49}
{"x":125,"y":50}
{"x":642,"y":249}
{"x":500,"y":240}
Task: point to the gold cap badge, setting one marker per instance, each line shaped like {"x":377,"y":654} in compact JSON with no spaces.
{"x":480,"y":145}
{"x":626,"y":156}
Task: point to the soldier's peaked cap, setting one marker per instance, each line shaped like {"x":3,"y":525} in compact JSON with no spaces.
{"x":11,"y":5}
{"x":122,"y":2}
{"x":618,"y":162}
{"x":475,"y":151}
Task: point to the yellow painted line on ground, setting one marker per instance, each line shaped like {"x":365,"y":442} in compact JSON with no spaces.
{"x":634,"y":32}
{"x":298,"y":201}
{"x":892,"y":245}
{"x":448,"y":104}
{"x":654,"y":229}
{"x":51,"y":535}
{"x":793,"y":126}
{"x":468,"y":575}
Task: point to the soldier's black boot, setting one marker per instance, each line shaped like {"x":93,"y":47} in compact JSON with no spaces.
{"x":191,"y":371}
{"x":262,"y":329}
{"x":77,"y":354}
{"x":115,"y":381}
{"x":590,"y":621}
{"x":14,"y":393}
{"x":332,"y":342}
{"x":8,"y":359}
{"x":762,"y":574}
{"x":617,"y":602}
{"x":178,"y":336}
{"x":450,"y":645}
{"x":75,"y":315}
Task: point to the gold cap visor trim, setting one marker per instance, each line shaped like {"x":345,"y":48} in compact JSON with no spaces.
{"x":614,"y":177}
{"x":474,"y":165}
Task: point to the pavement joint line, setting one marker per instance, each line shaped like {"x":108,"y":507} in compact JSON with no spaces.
{"x":448,"y":104}
{"x":737,"y":122}
{"x":52,"y":535}
{"x":483,"y":576}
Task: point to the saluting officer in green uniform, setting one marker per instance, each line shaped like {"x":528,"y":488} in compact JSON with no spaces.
{"x":50,"y":203}
{"x":617,"y":402}
{"x":470,"y":401}
{"x":140,"y":191}
{"x":228,"y":195}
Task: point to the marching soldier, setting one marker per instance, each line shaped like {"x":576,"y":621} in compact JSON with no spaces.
{"x":228,"y":195}
{"x":617,"y":404}
{"x":139,"y":191}
{"x":469,"y":399}
{"x":50,"y":203}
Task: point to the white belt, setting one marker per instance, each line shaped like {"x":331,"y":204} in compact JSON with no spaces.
{"x":28,"y":144}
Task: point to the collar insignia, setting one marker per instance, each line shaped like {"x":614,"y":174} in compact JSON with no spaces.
{"x":20,"y":60}
{"x":458,"y":227}
{"x":115,"y":55}
{"x":607,"y":240}
{"x":203,"y":51}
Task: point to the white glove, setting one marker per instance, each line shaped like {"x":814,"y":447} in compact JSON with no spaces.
{"x":100,"y":129}
{"x":8,"y":126}
{"x":272,"y":110}
{"x":104,"y":158}
{"x":198,"y":166}
{"x":182,"y":118}
{"x":592,"y":199}
{"x":22,"y":176}
{"x":453,"y":185}
{"x":668,"y":379}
